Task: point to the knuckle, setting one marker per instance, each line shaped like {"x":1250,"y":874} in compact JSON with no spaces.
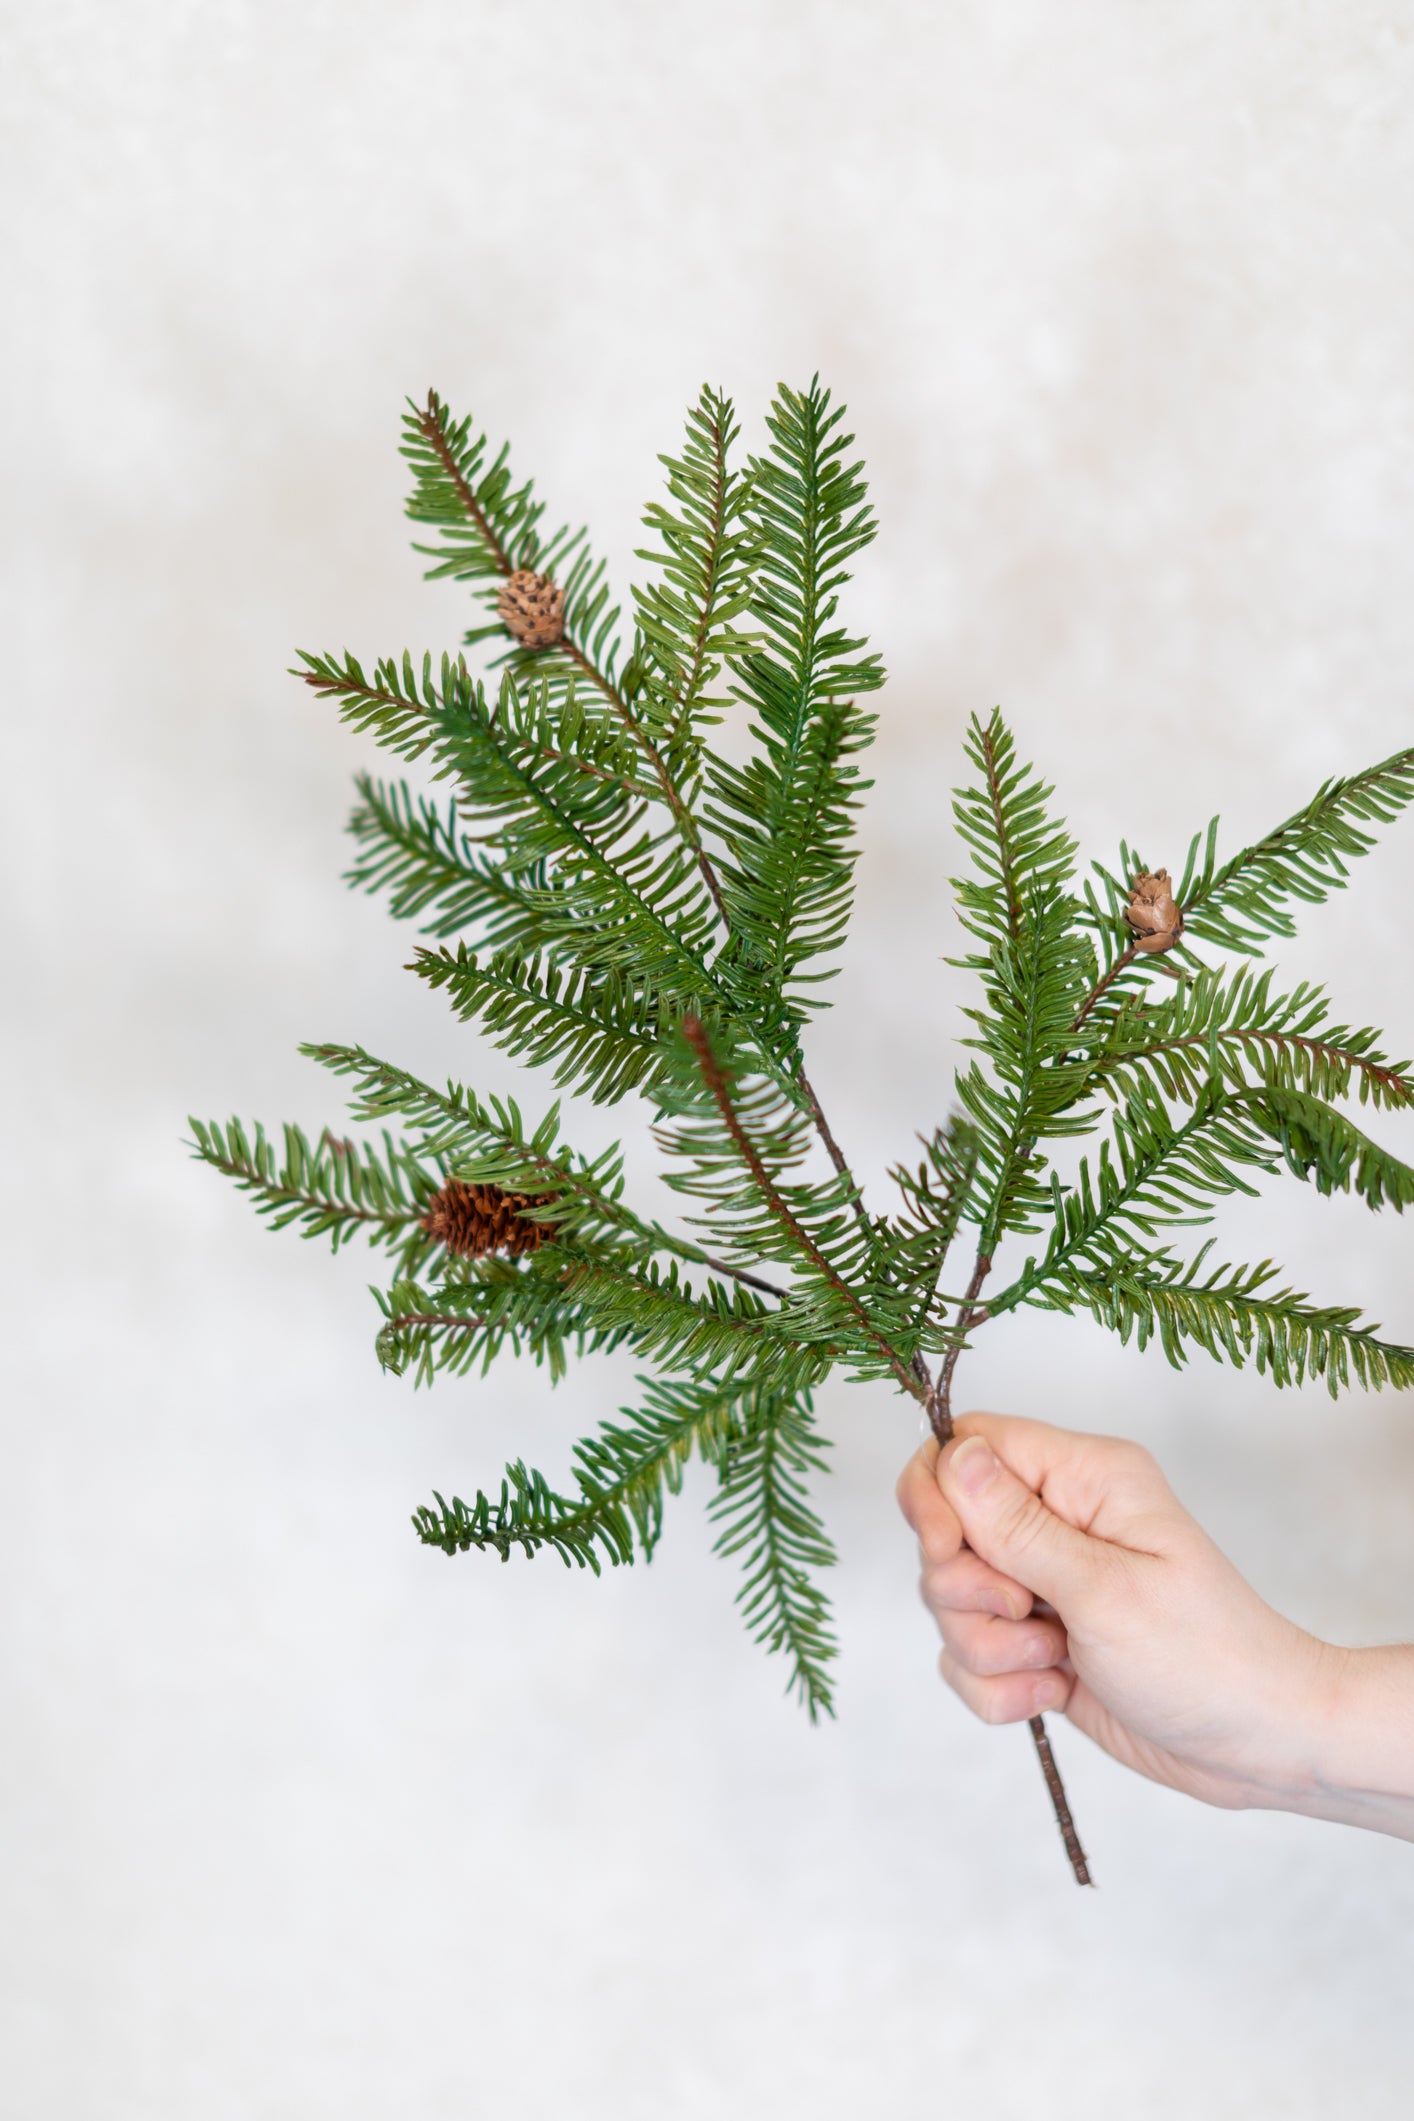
{"x":1024,"y":1522}
{"x":1125,"y":1459}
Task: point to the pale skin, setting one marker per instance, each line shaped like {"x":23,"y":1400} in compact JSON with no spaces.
{"x":1065,"y":1575}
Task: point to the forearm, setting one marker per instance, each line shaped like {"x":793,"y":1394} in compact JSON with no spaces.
{"x":1361,"y":1744}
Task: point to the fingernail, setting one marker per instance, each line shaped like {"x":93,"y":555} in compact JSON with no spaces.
{"x":973,"y":1465}
{"x":1050,"y":1694}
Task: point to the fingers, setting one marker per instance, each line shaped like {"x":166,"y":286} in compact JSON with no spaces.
{"x":1005,"y":1669}
{"x":982,"y":1644}
{"x":952,"y":1575}
{"x":1013,"y":1527}
{"x":1011,"y":1697}
{"x":1104,"y":1485}
{"x":926,"y":1507}
{"x":968,"y":1584}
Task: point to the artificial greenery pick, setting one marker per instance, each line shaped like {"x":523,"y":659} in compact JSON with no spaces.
{"x":626,"y":908}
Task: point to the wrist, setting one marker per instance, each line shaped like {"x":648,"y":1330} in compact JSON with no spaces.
{"x":1356,"y":1761}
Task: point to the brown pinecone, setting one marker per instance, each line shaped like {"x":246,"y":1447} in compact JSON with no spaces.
{"x":473,"y":1220}
{"x":1152,"y":913}
{"x":532,"y":608}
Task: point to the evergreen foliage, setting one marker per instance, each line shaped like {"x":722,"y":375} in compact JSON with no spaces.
{"x":612,"y":900}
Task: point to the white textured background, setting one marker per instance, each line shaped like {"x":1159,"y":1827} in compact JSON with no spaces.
{"x":301,"y":1821}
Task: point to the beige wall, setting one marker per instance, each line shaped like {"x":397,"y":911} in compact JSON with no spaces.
{"x":305,"y":1822}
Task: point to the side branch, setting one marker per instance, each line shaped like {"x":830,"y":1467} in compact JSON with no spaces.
{"x":455,"y":1321}
{"x":939,"y":1400}
{"x":430,"y":424}
{"x":375,"y":695}
{"x":836,"y":1153}
{"x":1126,"y":957}
{"x":994,"y":794}
{"x":672,"y":794}
{"x":1397,"y":1087}
{"x":752,"y":1281}
{"x":687,"y":691}
{"x":750,"y":1155}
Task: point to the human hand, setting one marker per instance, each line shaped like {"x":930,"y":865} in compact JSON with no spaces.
{"x":1065,"y":1574}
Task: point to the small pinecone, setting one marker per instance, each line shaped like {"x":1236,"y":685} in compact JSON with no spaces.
{"x":532,"y":608}
{"x":472,"y":1220}
{"x":1152,"y":913}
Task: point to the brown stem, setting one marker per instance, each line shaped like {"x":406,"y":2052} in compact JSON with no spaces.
{"x":939,"y":1408}
{"x":1059,"y":1802}
{"x":836,"y":1153}
{"x":817,"y":1113}
{"x":696,"y":1036}
{"x":939,"y":1400}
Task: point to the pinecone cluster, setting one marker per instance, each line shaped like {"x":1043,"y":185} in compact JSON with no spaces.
{"x":532,"y":609}
{"x":1157,"y":921}
{"x":473,"y":1220}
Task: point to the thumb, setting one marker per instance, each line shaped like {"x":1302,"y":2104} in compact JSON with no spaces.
{"x":1008,"y":1525}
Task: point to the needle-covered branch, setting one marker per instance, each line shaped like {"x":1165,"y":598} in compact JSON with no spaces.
{"x":651,"y":916}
